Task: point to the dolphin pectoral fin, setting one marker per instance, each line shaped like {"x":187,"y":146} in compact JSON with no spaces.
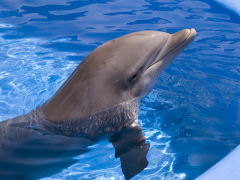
{"x":130,"y":145}
{"x":134,"y":161}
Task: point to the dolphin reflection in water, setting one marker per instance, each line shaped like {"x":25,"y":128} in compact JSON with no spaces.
{"x":100,"y":99}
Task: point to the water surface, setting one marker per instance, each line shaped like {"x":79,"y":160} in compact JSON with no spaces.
{"x":191,"y":118}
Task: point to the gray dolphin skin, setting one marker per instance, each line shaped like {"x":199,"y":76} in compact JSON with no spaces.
{"x":100,"y":98}
{"x":119,"y":71}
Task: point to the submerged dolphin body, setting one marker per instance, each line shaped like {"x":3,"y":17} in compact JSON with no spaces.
{"x":100,"y":97}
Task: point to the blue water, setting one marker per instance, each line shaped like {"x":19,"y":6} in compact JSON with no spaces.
{"x":191,"y":118}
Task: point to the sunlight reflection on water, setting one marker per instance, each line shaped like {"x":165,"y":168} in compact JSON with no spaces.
{"x":192,"y":113}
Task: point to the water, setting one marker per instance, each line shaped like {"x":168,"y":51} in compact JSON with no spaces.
{"x":191,"y":119}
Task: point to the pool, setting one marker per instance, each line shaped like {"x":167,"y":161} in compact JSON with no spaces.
{"x":191,"y":119}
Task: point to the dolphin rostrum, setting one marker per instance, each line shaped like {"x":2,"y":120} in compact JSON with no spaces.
{"x":100,"y":97}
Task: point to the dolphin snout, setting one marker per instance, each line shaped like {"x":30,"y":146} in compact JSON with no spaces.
{"x":177,"y":42}
{"x":184,"y":35}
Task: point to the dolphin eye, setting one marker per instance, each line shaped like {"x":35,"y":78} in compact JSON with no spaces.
{"x":133,"y":78}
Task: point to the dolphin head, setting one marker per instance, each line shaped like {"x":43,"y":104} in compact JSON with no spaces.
{"x":139,"y":58}
{"x":117,"y":71}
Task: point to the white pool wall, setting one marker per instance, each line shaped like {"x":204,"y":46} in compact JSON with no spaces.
{"x":233,"y":5}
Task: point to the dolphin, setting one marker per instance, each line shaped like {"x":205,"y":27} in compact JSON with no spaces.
{"x":101,"y":97}
{"x":117,"y":72}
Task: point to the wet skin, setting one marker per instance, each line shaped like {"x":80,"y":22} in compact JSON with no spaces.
{"x":100,"y":99}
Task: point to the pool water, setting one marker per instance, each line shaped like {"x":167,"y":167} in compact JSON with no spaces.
{"x":191,"y":119}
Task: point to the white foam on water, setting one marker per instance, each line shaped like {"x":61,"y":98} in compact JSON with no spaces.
{"x":234,"y":5}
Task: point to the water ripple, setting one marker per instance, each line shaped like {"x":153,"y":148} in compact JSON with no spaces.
{"x":191,"y":118}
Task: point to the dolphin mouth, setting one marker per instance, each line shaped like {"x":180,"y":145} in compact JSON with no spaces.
{"x":178,"y":41}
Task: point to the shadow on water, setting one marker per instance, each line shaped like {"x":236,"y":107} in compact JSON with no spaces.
{"x":28,"y":151}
